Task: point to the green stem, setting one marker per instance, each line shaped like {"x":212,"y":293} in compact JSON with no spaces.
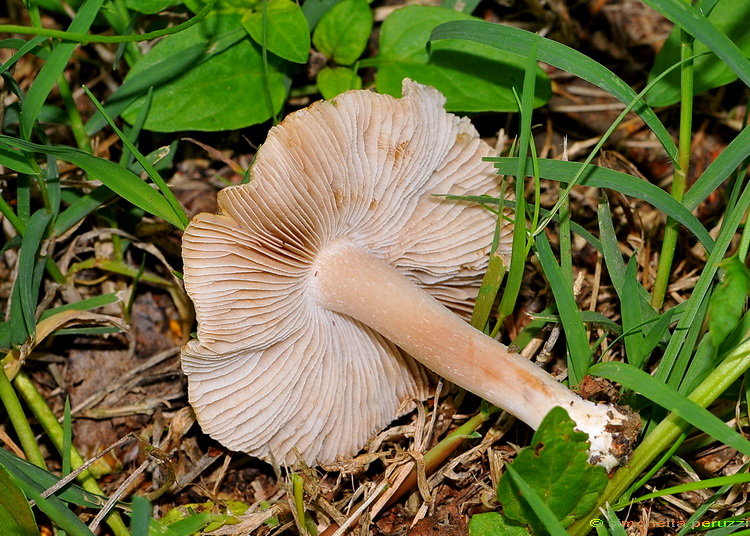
{"x":86,"y":38}
{"x":119,"y":19}
{"x":76,"y":123}
{"x":566,"y":253}
{"x":54,"y":431}
{"x":20,"y":423}
{"x":119,"y":267}
{"x":440,"y":452}
{"x":668,"y":431}
{"x":14,"y":220}
{"x":521,"y":240}
{"x":679,"y":180}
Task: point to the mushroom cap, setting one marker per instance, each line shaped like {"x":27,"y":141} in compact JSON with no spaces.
{"x":271,"y":370}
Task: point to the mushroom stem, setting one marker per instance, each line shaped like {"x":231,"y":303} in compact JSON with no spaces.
{"x":353,"y":282}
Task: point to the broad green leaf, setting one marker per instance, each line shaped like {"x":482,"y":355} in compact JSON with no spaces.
{"x":120,"y":180}
{"x":287,"y":32}
{"x":159,"y":73}
{"x":517,"y":41}
{"x":614,"y":180}
{"x":729,"y":17}
{"x":227,"y":91}
{"x":555,"y":466}
{"x":342,"y":33}
{"x":495,"y":524}
{"x":472,"y":76}
{"x":16,"y":518}
{"x":336,"y":80}
{"x":315,"y":9}
{"x":224,"y":7}
{"x":728,"y":300}
{"x":688,"y":17}
{"x":549,"y":524}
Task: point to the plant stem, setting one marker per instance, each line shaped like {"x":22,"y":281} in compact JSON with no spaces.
{"x":54,"y":431}
{"x":679,"y":180}
{"x":440,"y":452}
{"x":86,"y":38}
{"x":667,"y":432}
{"x":76,"y":123}
{"x":20,"y":423}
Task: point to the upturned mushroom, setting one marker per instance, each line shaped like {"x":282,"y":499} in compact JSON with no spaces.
{"x":322,"y":289}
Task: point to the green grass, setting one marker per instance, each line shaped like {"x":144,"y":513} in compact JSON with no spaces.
{"x":668,"y":360}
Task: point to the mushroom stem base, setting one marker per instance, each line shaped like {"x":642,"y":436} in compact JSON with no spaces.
{"x":353,"y":282}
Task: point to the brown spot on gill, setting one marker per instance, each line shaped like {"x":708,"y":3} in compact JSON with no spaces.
{"x":400,"y":150}
{"x":373,"y":204}
{"x":338,"y":196}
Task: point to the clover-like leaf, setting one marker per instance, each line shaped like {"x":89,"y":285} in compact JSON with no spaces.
{"x":287,"y":32}
{"x":343,"y":32}
{"x":333,"y":81}
{"x":495,"y":524}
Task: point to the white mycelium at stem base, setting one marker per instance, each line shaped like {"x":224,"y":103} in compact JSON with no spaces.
{"x":323,"y":281}
{"x":351,"y":281}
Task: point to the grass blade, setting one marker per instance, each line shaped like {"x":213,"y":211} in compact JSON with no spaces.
{"x":53,"y":68}
{"x":719,"y":170}
{"x":141,"y":516}
{"x":575,"y":332}
{"x":16,"y":517}
{"x":179,"y":213}
{"x":614,"y":180}
{"x":631,"y":315}
{"x":81,"y":208}
{"x":28,"y":291}
{"x":537,"y":504}
{"x":696,"y":308}
{"x":121,"y":181}
{"x":668,"y":398}
{"x":16,"y":161}
{"x":692,"y":21}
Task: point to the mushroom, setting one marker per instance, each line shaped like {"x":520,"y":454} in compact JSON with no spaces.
{"x":322,"y":289}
